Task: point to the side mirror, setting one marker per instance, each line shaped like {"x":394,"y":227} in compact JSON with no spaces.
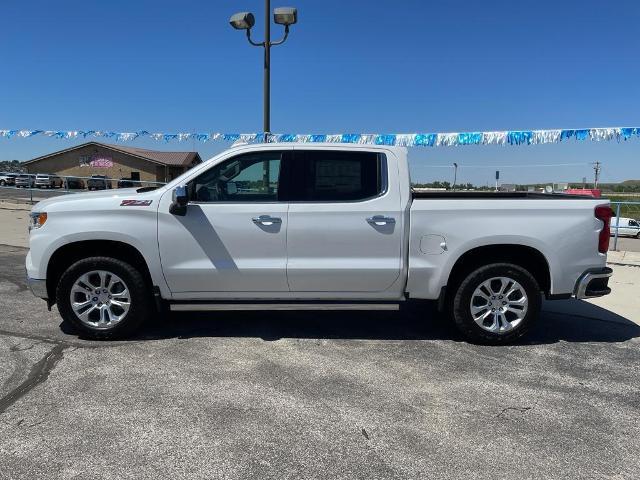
{"x":179,"y":201}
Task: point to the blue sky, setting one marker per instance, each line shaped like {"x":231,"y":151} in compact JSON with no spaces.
{"x":348,"y":66}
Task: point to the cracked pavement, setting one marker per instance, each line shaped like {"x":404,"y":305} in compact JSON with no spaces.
{"x":315,"y":395}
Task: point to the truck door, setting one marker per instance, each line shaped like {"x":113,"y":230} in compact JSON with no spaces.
{"x":345,"y":223}
{"x":233,"y":236}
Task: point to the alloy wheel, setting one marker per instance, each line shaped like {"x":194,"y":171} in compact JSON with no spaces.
{"x":100,"y":299}
{"x":499,"y":304}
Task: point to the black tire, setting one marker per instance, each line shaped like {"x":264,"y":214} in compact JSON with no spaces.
{"x":2,"y":183}
{"x":140,"y":297}
{"x":460,"y":304}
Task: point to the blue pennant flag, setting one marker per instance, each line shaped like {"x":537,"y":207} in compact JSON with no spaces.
{"x":567,"y":134}
{"x":385,"y":139}
{"x":582,"y":134}
{"x":629,"y":132}
{"x":519,"y":137}
{"x":350,"y":138}
{"x":472,"y":138}
{"x":202,"y":137}
{"x":425,"y":139}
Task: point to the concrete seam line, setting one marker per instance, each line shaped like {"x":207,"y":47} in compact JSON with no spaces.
{"x":624,"y":264}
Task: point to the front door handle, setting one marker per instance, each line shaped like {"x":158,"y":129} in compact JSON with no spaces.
{"x":381,"y":220}
{"x":266,"y":220}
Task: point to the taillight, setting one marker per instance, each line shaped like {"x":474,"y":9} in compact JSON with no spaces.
{"x":604,"y":213}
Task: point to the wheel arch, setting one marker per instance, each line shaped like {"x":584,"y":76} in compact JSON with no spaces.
{"x":69,"y":253}
{"x":529,"y":258}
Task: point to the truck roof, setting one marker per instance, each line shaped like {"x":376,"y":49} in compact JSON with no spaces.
{"x":316,"y":146}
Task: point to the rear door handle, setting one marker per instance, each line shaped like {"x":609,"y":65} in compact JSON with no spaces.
{"x":266,"y":220}
{"x":381,"y":220}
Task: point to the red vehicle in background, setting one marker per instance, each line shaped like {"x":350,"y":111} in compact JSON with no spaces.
{"x":592,"y":192}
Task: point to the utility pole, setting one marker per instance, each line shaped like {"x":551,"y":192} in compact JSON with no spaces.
{"x":596,"y":169}
{"x":455,"y":175}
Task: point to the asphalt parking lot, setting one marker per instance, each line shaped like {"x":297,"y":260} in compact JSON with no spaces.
{"x":26,"y":194}
{"x":315,"y":395}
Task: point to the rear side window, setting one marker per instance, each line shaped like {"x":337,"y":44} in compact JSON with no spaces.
{"x":330,"y":176}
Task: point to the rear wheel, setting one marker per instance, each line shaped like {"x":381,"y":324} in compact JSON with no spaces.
{"x":496,"y":303}
{"x":103,"y":297}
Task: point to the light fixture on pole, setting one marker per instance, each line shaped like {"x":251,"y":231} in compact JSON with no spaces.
{"x":245,"y":21}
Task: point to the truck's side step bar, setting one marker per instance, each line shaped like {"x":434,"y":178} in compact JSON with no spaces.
{"x":191,"y":307}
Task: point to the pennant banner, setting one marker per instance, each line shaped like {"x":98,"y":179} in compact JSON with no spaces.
{"x":510,"y":137}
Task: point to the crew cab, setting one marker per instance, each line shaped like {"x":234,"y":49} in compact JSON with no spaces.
{"x":314,"y":226}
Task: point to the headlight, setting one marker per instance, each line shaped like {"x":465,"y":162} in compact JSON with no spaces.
{"x":37,"y":219}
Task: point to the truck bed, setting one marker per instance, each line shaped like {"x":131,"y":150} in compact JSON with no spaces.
{"x":496,"y":195}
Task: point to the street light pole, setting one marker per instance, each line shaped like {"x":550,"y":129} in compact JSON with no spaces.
{"x":267,"y":70}
{"x":245,"y":21}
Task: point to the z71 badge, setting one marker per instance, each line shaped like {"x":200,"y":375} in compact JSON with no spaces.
{"x":136,"y":203}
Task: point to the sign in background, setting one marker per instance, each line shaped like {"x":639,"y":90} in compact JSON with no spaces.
{"x":96,"y":161}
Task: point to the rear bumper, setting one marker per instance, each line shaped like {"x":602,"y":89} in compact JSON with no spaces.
{"x":593,"y":283}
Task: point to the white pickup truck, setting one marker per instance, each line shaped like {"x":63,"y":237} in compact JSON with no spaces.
{"x":313,"y":226}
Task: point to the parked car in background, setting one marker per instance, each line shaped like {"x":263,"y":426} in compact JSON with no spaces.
{"x":324,"y":226}
{"x":7,"y":178}
{"x":73,"y":183}
{"x":25,"y":180}
{"x":627,"y":227}
{"x":99,"y":182}
{"x":126,"y":183}
{"x":48,"y":180}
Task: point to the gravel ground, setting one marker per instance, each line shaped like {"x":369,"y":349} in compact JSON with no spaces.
{"x":315,"y":395}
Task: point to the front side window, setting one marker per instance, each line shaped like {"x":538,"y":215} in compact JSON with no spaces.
{"x":252,"y":177}
{"x":329,"y":176}
{"x":633,"y":223}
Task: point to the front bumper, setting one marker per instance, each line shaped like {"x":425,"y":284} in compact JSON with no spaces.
{"x":593,"y":283}
{"x":38,"y":287}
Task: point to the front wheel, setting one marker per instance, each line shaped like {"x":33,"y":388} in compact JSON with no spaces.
{"x":103,"y":297}
{"x":496,"y":304}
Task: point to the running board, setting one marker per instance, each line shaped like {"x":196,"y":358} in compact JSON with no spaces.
{"x":191,"y":307}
